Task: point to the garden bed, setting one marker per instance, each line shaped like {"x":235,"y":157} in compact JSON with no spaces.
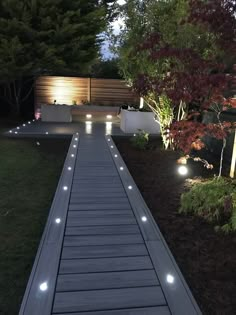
{"x":207,"y":259}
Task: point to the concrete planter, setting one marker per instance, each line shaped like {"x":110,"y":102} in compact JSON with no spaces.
{"x":56,"y":113}
{"x":131,"y":121}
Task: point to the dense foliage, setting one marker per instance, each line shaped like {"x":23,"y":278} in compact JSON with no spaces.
{"x":213,"y":200}
{"x":140,"y":140}
{"x":179,"y":61}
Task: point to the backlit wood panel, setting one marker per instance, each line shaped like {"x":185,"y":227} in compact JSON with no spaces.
{"x":65,"y":90}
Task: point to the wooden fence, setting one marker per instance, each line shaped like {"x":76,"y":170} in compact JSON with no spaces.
{"x":66,"y":90}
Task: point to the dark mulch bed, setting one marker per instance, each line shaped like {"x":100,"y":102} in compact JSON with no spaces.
{"x":207,"y":259}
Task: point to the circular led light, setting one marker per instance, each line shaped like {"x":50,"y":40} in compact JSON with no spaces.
{"x":170,"y":278}
{"x":134,"y":134}
{"x":58,"y":220}
{"x":88,"y":116}
{"x":108,"y":139}
{"x":121,"y":168}
{"x":144,"y":219}
{"x":10,"y":131}
{"x":43,"y":286}
{"x":69,"y":168}
{"x":109,"y":116}
{"x":74,"y":146}
{"x":130,"y":187}
{"x":72,"y":155}
{"x":16,"y":132}
{"x":112,"y":146}
{"x":76,"y":139}
{"x":23,"y":125}
{"x":46,"y":132}
{"x":115,"y":155}
{"x":29,"y":122}
{"x":183,"y":170}
{"x":18,"y":128}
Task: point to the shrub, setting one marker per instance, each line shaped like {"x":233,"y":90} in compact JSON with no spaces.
{"x":140,"y":140}
{"x":215,"y":201}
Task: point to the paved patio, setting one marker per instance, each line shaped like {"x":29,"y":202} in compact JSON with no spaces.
{"x":101,"y":251}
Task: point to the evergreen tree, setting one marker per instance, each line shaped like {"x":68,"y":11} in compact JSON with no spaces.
{"x":48,"y":37}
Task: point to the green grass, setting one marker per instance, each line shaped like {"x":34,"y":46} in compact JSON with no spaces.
{"x":28,"y":178}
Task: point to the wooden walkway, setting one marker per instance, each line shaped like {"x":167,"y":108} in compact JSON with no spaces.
{"x":108,"y":257}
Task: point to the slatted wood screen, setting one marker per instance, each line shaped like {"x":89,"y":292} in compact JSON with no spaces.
{"x":65,"y":90}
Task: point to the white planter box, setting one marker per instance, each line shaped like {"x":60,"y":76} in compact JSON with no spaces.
{"x":56,"y":113}
{"x":131,"y":121}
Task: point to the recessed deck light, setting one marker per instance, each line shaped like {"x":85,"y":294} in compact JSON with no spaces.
{"x":88,"y":116}
{"x":10,"y":131}
{"x":144,"y":219}
{"x":170,"y":279}
{"x":65,"y":188}
{"x":74,"y":146}
{"x":76,"y":139}
{"x":72,"y":155}
{"x":58,"y":220}
{"x":16,"y":132}
{"x":69,"y":168}
{"x":130,"y":187}
{"x":46,"y":132}
{"x":43,"y":286}
{"x":18,"y":128}
{"x":115,"y":155}
{"x":109,"y":116}
{"x":121,"y":168}
{"x":112,"y":146}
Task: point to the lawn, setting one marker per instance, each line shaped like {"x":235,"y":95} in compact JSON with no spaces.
{"x":29,"y":173}
{"x":206,"y":258}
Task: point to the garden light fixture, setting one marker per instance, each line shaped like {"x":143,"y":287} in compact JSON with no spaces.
{"x":109,"y":116}
{"x":121,"y":168}
{"x":69,"y":168}
{"x":88,"y":116}
{"x":130,"y":187}
{"x":65,"y":188}
{"x":183,"y":170}
{"x":58,"y":220}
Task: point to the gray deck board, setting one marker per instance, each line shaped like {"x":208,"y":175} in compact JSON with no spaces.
{"x":102,"y":240}
{"x":106,"y":280}
{"x":158,"y":310}
{"x":101,"y":206}
{"x":104,"y":251}
{"x":108,"y":299}
{"x":103,"y":230}
{"x":78,"y":266}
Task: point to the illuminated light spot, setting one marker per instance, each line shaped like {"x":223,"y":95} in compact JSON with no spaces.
{"x":72,"y":155}
{"x":23,"y":125}
{"x":69,"y":168}
{"x":46,"y":132}
{"x":38,"y":143}
{"x":144,"y":219}
{"x":109,"y":116}
{"x":108,"y":127}
{"x":43,"y":286}
{"x":10,"y":131}
{"x":77,"y":133}
{"x":65,"y":188}
{"x":134,"y":134}
{"x":112,"y":146}
{"x":115,"y":155}
{"x":29,"y":122}
{"x":76,"y":139}
{"x":58,"y":220}
{"x":170,"y":279}
{"x":18,"y":128}
{"x":121,"y":168}
{"x":183,"y":170}
{"x":88,"y":116}
{"x":130,"y":187}
{"x":16,"y":132}
{"x":108,"y":139}
{"x":74,"y":146}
